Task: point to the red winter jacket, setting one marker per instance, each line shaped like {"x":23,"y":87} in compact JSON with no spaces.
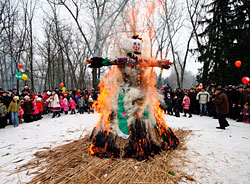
{"x":39,"y":106}
{"x":45,"y":97}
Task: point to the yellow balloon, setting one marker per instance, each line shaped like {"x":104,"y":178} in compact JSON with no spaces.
{"x":24,"y":77}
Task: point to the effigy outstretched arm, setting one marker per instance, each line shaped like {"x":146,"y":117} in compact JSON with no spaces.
{"x":165,"y":64}
{"x":98,"y":62}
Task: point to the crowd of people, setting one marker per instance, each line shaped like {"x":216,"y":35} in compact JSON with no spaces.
{"x":215,"y":102}
{"x":29,"y":106}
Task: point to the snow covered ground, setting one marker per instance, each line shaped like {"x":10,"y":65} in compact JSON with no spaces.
{"x":218,"y":156}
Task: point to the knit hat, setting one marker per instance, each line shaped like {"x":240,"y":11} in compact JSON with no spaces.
{"x":39,"y":99}
{"x":246,"y":105}
{"x":26,"y":97}
{"x":16,"y":98}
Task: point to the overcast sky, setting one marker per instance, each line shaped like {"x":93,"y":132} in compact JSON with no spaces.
{"x":180,"y":39}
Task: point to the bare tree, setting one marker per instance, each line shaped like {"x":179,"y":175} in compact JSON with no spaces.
{"x":174,"y":21}
{"x":29,"y":7}
{"x":104,"y":15}
{"x":13,"y":33}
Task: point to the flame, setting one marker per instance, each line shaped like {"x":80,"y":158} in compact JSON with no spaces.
{"x":110,"y":82}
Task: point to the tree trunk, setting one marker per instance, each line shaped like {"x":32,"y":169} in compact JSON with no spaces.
{"x":31,"y":56}
{"x":173,"y":53}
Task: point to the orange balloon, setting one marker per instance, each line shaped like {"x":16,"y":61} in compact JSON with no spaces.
{"x":238,"y":63}
{"x":61,"y":85}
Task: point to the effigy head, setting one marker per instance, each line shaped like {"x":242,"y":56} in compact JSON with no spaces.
{"x":133,"y":45}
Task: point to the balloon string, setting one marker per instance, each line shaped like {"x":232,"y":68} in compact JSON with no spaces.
{"x":240,"y":74}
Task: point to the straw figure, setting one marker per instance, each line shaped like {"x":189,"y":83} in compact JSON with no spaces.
{"x":131,"y":124}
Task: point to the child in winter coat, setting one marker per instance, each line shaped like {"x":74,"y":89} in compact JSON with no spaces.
{"x":13,"y":109}
{"x":28,"y":109}
{"x":91,"y":109}
{"x":39,"y":103}
{"x":246,"y":113}
{"x":72,"y":105}
{"x":81,"y":105}
{"x":186,"y":105}
{"x":35,"y":111}
{"x":20,"y":114}
{"x":3,"y":112}
{"x":65,"y":105}
{"x":61,"y":103}
{"x":86,"y":99}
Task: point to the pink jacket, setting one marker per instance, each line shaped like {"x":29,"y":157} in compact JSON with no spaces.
{"x":186,"y":102}
{"x":35,"y":108}
{"x":61,"y":103}
{"x":21,"y":112}
{"x":66,"y":105}
{"x":72,"y":104}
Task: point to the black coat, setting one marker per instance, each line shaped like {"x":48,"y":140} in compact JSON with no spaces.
{"x":168,"y":101}
{"x":6,"y":100}
{"x":245,"y":98}
{"x":176,"y":103}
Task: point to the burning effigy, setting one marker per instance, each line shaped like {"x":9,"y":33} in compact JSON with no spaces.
{"x":131,"y":123}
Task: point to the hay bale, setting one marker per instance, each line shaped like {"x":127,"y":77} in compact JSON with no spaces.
{"x":71,"y":163}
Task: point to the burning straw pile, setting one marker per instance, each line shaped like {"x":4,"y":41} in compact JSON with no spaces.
{"x":71,"y":163}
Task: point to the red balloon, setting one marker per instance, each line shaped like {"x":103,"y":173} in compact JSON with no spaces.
{"x":64,"y":92}
{"x":245,"y":80}
{"x":61,"y":85}
{"x":237,"y":63}
{"x":20,"y":65}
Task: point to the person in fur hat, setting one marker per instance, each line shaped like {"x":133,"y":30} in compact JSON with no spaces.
{"x":28,"y":108}
{"x":222,"y":107}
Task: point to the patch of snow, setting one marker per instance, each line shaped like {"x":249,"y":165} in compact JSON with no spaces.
{"x":217,"y":156}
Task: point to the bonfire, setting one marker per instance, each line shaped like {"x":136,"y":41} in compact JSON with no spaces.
{"x":131,"y":123}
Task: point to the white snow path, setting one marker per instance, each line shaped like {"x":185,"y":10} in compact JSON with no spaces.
{"x":218,"y":156}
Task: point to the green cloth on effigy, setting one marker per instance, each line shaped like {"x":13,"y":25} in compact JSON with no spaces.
{"x":105,"y":62}
{"x":121,"y":114}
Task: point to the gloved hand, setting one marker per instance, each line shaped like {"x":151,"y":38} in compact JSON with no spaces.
{"x":165,"y":66}
{"x":95,"y":62}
